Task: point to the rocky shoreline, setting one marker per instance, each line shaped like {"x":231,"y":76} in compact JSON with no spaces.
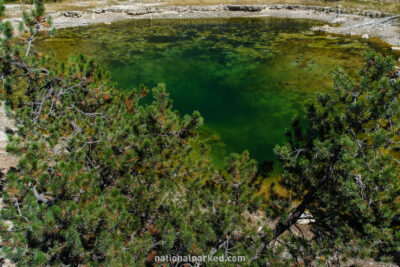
{"x":357,"y":22}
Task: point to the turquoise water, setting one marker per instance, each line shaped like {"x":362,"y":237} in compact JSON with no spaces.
{"x":248,"y":77}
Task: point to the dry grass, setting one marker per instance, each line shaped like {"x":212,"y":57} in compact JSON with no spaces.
{"x":75,"y":5}
{"x":15,"y":9}
{"x":391,"y":6}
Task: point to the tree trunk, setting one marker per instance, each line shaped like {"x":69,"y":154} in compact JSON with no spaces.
{"x":293,"y":217}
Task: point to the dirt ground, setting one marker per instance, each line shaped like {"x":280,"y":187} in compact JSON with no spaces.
{"x":6,"y":161}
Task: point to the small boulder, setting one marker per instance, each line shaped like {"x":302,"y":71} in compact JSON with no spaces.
{"x":306,"y":218}
{"x":365,"y":36}
{"x":73,"y":14}
{"x":99,"y":11}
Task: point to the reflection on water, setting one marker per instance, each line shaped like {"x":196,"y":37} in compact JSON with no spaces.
{"x":247,"y":77}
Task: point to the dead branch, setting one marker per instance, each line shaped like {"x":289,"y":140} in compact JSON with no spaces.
{"x":41,"y":197}
{"x":373,"y":23}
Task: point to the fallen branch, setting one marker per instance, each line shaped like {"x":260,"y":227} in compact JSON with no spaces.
{"x":371,"y":23}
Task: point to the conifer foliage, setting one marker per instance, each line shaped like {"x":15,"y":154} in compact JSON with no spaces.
{"x":344,"y":167}
{"x":105,"y":180}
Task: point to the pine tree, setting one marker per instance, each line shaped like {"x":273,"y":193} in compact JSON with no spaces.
{"x":105,"y":180}
{"x":343,"y":167}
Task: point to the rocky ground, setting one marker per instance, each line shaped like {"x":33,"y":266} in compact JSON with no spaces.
{"x":6,"y":162}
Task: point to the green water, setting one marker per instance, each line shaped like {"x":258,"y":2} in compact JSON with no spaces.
{"x":247,"y":77}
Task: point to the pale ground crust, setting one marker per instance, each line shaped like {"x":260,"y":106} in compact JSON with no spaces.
{"x":6,"y":162}
{"x":350,"y":21}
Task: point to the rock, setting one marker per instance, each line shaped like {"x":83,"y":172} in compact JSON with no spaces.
{"x":324,"y":28}
{"x":72,"y":14}
{"x":339,"y":20}
{"x":397,"y":48}
{"x":248,"y":8}
{"x":397,"y":74}
{"x":138,"y":11}
{"x":374,"y":14}
{"x":306,"y":218}
{"x":365,"y":36}
{"x":6,"y":263}
{"x":99,"y":11}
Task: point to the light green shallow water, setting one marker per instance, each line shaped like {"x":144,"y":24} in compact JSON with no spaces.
{"x":247,"y":77}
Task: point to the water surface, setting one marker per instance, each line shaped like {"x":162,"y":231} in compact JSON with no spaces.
{"x":248,"y":77}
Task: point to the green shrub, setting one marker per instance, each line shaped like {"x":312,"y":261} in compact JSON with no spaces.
{"x":104,"y":180}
